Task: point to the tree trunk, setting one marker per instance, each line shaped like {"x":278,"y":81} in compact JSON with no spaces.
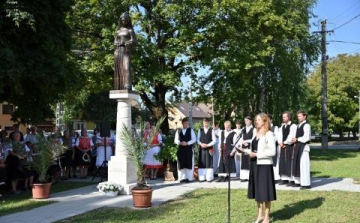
{"x":341,"y":133}
{"x":353,"y":133}
{"x":158,"y":108}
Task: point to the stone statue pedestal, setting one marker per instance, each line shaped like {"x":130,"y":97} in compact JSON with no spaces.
{"x":121,"y":169}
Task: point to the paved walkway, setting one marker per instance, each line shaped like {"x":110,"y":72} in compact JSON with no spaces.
{"x":81,"y":200}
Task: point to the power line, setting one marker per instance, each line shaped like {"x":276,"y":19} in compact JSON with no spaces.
{"x":340,"y":15}
{"x":345,"y":23}
{"x":339,"y":41}
{"x":336,"y":45}
{"x":353,"y":51}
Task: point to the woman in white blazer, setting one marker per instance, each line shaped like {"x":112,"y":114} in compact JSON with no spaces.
{"x":261,"y":180}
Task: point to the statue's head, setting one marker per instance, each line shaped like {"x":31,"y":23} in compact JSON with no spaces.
{"x":125,"y":20}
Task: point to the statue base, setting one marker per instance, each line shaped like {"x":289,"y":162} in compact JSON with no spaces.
{"x":121,"y":169}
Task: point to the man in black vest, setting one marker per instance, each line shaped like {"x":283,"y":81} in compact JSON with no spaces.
{"x":226,"y":142}
{"x":248,"y":132}
{"x":185,"y":138}
{"x":286,"y":133}
{"x":216,"y":155}
{"x":301,"y":156}
{"x":206,"y":140}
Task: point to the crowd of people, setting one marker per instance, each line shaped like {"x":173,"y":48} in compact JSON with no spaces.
{"x":82,"y":152}
{"x":261,"y":155}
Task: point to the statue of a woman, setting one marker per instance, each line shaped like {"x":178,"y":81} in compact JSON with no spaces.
{"x":124,"y":40}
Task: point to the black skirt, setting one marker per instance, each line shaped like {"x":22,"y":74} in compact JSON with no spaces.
{"x":205,"y":160}
{"x":261,"y":182}
{"x":285,"y":161}
{"x":79,"y":158}
{"x":66,"y":159}
{"x":14,"y":169}
{"x":184,"y":155}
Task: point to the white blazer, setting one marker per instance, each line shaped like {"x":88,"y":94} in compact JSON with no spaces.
{"x":266,"y":149}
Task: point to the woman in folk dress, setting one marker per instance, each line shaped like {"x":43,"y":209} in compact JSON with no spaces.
{"x":150,"y":162}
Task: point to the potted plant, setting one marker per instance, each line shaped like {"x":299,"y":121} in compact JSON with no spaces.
{"x":46,"y":154}
{"x":109,"y":188}
{"x":136,"y":145}
{"x":168,"y":154}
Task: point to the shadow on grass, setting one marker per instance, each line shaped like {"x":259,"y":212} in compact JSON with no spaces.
{"x":317,"y":172}
{"x":317,"y":182}
{"x":289,"y":211}
{"x":330,"y":155}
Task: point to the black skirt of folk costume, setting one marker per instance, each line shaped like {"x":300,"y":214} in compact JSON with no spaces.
{"x":185,"y":155}
{"x":205,"y":160}
{"x":14,"y":169}
{"x":66,"y":159}
{"x":79,"y":158}
{"x":261,"y":182}
{"x":285,"y":160}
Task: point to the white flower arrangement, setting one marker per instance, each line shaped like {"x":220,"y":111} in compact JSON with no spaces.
{"x":109,"y":186}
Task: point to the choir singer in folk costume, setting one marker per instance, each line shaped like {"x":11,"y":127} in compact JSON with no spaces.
{"x":238,"y":131}
{"x":185,"y":138}
{"x":206,"y":140}
{"x":248,"y":133}
{"x":287,"y":132}
{"x":301,"y":153}
{"x":151,"y":163}
{"x":227,"y":137}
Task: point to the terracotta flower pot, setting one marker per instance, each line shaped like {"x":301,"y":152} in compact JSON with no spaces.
{"x":41,"y":191}
{"x":168,"y":175}
{"x":196,"y":173}
{"x":142,"y":198}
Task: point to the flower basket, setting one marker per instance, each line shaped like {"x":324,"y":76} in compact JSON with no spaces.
{"x":111,"y":193}
{"x":109,"y":188}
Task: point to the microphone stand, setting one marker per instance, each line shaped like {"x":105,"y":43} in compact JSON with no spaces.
{"x":229,"y":173}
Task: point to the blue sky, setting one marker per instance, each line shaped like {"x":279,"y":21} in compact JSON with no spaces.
{"x":338,"y":12}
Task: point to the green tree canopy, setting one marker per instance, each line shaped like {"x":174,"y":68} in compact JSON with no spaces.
{"x":35,"y":67}
{"x":263,"y":62}
{"x":343,"y":80}
{"x":248,"y":45}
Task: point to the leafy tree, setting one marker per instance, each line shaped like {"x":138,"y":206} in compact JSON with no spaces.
{"x":171,"y":36}
{"x":343,"y":80}
{"x":35,"y":67}
{"x":264,"y":61}
{"x":248,"y":45}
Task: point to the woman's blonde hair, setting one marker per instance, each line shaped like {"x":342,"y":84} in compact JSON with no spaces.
{"x":266,"y":120}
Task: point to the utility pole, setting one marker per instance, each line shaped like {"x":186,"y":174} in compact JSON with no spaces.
{"x":190,"y":104}
{"x":212,"y":108}
{"x":358,"y":97}
{"x":324,"y":135}
{"x":324,"y":118}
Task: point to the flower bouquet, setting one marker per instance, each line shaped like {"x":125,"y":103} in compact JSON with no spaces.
{"x":109,"y":188}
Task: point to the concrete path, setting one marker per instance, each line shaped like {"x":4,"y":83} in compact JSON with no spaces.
{"x":351,"y":145}
{"x":346,"y":147}
{"x":81,"y":200}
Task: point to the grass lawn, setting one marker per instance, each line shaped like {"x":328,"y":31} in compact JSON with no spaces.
{"x":335,"y":163}
{"x":22,"y":202}
{"x":210,"y":205}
